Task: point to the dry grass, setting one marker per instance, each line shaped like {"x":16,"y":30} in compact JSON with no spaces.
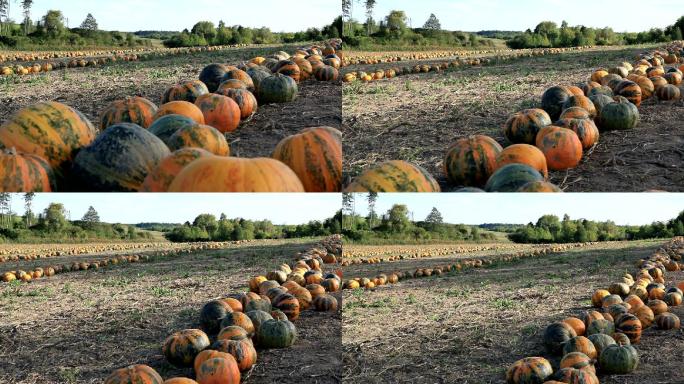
{"x":469,"y":327}
{"x":416,"y":117}
{"x":78,"y":327}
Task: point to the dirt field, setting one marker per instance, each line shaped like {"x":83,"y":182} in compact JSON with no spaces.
{"x":416,"y":117}
{"x":90,"y":90}
{"x":469,"y":327}
{"x":77,"y":327}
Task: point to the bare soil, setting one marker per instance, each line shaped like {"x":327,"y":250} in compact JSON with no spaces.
{"x":469,"y":327}
{"x":416,"y":117}
{"x":78,"y":327}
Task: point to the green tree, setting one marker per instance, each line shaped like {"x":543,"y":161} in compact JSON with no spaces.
{"x":28,"y":205}
{"x":434,"y":219}
{"x":475,"y":233}
{"x":6,"y":208}
{"x":396,"y":23}
{"x":432,"y":23}
{"x":397,"y":217}
{"x":370,"y":4}
{"x":91,"y":218}
{"x":205,"y":29}
{"x":53,"y":23}
{"x":4,"y":14}
{"x":89,"y":24}
{"x":26,"y":5}
{"x":372,"y":216}
{"x":54,"y":216}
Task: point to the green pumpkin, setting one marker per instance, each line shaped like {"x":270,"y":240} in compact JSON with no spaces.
{"x":277,"y":89}
{"x":261,"y":305}
{"x":511,"y":177}
{"x":553,"y":100}
{"x":601,"y":341}
{"x":211,"y":315}
{"x":118,"y":160}
{"x":276,"y":334}
{"x":258,"y":74}
{"x":258,"y":317}
{"x":602,"y":90}
{"x":212,"y":75}
{"x":165,"y":126}
{"x":601,"y":326}
{"x":618,"y":116}
{"x":556,"y":334}
{"x":619,"y":359}
{"x":181,"y":348}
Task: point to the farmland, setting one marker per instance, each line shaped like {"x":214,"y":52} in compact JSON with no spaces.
{"x":95,"y":321}
{"x":483,"y":316}
{"x":418,"y":116}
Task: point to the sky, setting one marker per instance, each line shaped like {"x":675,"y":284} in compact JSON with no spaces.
{"x":519,"y":15}
{"x":132,"y":208}
{"x":511,"y":208}
{"x":175,"y":15}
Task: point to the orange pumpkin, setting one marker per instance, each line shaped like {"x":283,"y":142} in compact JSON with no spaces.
{"x":244,"y":99}
{"x":470,"y":161}
{"x":523,"y":154}
{"x":161,"y":177}
{"x":180,"y":380}
{"x":24,"y":173}
{"x":209,"y":354}
{"x":586,"y":130}
{"x":200,"y":136}
{"x":576,"y":324}
{"x":315,"y":155}
{"x":219,"y":371}
{"x":561,"y":147}
{"x":241,"y":348}
{"x":136,"y":110}
{"x":229,"y":174}
{"x":219,"y":111}
{"x":183,"y":108}
{"x":394,"y":176}
{"x":139,"y":374}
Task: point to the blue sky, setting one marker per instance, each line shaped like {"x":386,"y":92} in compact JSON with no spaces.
{"x":175,"y":15}
{"x":133,"y":208}
{"x":518,"y":15}
{"x":478,"y":208}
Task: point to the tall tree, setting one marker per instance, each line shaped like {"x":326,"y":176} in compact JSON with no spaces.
{"x":26,"y":5}
{"x":348,"y":207}
{"x":54,"y":216}
{"x":346,"y":13}
{"x":434,"y":218}
{"x":432,"y":23}
{"x":396,"y":23}
{"x":372,"y":199}
{"x":4,"y":13}
{"x":53,"y":22}
{"x":5,"y":201}
{"x":370,"y":4}
{"x":91,"y":217}
{"x":89,"y":24}
{"x":28,"y":204}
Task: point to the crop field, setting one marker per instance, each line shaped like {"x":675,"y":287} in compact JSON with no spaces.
{"x":469,"y":325}
{"x":416,"y":117}
{"x":78,"y":327}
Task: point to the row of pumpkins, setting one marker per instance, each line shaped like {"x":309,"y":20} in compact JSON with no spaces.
{"x":94,"y":264}
{"x":180,"y":146}
{"x":604,"y":337}
{"x":89,"y":58}
{"x":607,"y":101}
{"x":26,"y":252}
{"x":264,"y":317}
{"x":396,"y":276}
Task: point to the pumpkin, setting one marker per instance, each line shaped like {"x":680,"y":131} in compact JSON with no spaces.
{"x":601,"y":326}
{"x":598,"y":296}
{"x":278,"y":314}
{"x":219,"y":111}
{"x":556,"y":334}
{"x":326,"y":73}
{"x":136,"y":110}
{"x":200,"y":136}
{"x":530,"y":370}
{"x":522,"y":154}
{"x":539,"y":186}
{"x":181,"y":348}
{"x":673,"y":299}
{"x":630,"y":325}
{"x":244,"y":99}
{"x":331,"y":285}
{"x":619,"y":359}
{"x":288,"y":304}
{"x":50,"y":130}
{"x":277,"y":89}
{"x":574,"y":375}
{"x":258,"y":317}
{"x":162,"y":176}
{"x":276,"y":334}
{"x":523,"y":126}
{"x":576,"y":324}
{"x":211,"y":315}
{"x":512,"y":177}
{"x":315,"y":155}
{"x":212,"y":75}
{"x":230,"y":84}
{"x":220,"y":370}
{"x":601,"y":341}
{"x":138,"y":374}
{"x":553,"y":100}
{"x":580,"y":101}
{"x":257,"y":75}
{"x":561,"y":147}
{"x":188,"y":91}
{"x":578,"y":360}
{"x":471,"y":160}
{"x":629,"y":90}
{"x":25,"y":173}
{"x":667,"y":321}
{"x":242,"y":349}
{"x":575,"y":113}
{"x":325,"y":303}
{"x":229,"y":174}
{"x":119,"y":159}
{"x":183,"y":108}
{"x":580,"y":344}
{"x":165,"y":126}
{"x":237,"y":74}
{"x":232,"y":332}
{"x":586,"y":130}
{"x":288,"y":68}
{"x":315,"y":290}
{"x":209,"y":354}
{"x":618,"y":116}
{"x":646,"y":85}
{"x":610,"y":300}
{"x":657,"y":306}
{"x":394,"y":176}
{"x":621,"y":339}
{"x":645,"y":316}
{"x":180,"y":380}
{"x":668,"y":92}
{"x":238,"y":319}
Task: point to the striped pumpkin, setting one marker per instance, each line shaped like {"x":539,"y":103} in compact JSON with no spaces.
{"x":619,"y":359}
{"x":580,"y":101}
{"x":288,"y":304}
{"x":575,"y":113}
{"x":183,"y":108}
{"x":315,"y":155}
{"x":288,"y":68}
{"x":233,"y":332}
{"x":586,"y":130}
{"x":522,"y":154}
{"x":200,"y":136}
{"x":162,"y":176}
{"x":668,"y":92}
{"x":579,"y":360}
{"x":575,"y":376}
{"x":561,"y":147}
{"x":277,"y":89}
{"x":511,"y":177}
{"x":241,"y":348}
{"x":219,"y":111}
{"x":221,"y":370}
{"x":394,"y":176}
{"x":523,"y":126}
{"x":166,"y":126}
{"x":667,"y":320}
{"x":208,"y":354}
{"x":188,"y":91}
{"x":238,"y":74}
{"x":539,"y":186}
{"x":618,"y":116}
{"x":629,"y":90}
{"x":229,"y":174}
{"x":238,"y":319}
{"x":230,"y":84}
{"x":580,"y":344}
{"x":136,"y":110}
{"x":325,"y":303}
{"x":553,"y":100}
{"x":305,"y":68}
{"x":470,"y":161}
{"x":139,"y":374}
{"x":630,"y":325}
{"x":244,"y":99}
{"x":556,"y":335}
{"x":181,"y":348}
{"x":50,"y":130}
{"x":276,"y":334}
{"x":25,"y":173}
{"x":326,"y":73}
{"x":646,"y":85}
{"x":530,"y":370}
{"x":119,"y":159}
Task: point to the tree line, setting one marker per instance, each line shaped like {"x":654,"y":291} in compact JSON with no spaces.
{"x":551,"y":229}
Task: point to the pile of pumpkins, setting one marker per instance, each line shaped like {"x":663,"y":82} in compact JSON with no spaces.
{"x":464,"y":264}
{"x":264,"y":317}
{"x":605,"y":336}
{"x":181,"y":145}
{"x":609,"y":100}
